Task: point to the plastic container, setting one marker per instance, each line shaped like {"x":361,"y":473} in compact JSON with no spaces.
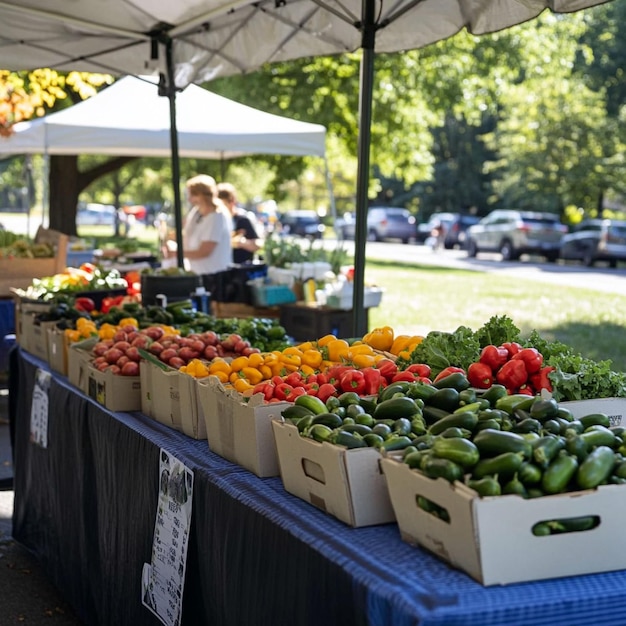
{"x":176,"y":288}
{"x":272,"y":295}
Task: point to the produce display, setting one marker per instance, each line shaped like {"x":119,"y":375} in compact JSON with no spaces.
{"x":14,"y":246}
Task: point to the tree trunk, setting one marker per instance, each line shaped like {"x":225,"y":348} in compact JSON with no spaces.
{"x":63,"y":190}
{"x":66,"y":183}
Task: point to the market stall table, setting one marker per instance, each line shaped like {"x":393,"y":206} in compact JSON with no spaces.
{"x":86,"y":506}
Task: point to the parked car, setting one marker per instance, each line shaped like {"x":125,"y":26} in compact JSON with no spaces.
{"x":302,"y":223}
{"x":96,"y":214}
{"x":425,"y":230}
{"x":596,"y":240}
{"x":383,"y":223}
{"x":513,"y":233}
{"x":455,"y":231}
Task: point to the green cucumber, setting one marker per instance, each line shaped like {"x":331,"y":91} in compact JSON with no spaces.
{"x":494,"y":393}
{"x":433,"y":414}
{"x":577,"y":447}
{"x":436,"y":467}
{"x":546,"y":448}
{"x":373,"y":440}
{"x":457,"y":381}
{"x":349,"y":440}
{"x":514,"y":401}
{"x":492,"y":442}
{"x":487,"y":486}
{"x":360,"y":429}
{"x":530,"y":424}
{"x":573,"y":524}
{"x":396,"y":408}
{"x":596,"y":468}
{"x":320,"y":432}
{"x":529,"y":473}
{"x":420,"y":391}
{"x":332,"y":420}
{"x":543,"y":409}
{"x":594,"y":419}
{"x":598,"y":435}
{"x":446,"y":399}
{"x":396,"y":442}
{"x":388,"y":392}
{"x":504,"y":465}
{"x":457,"y":449}
{"x":296,"y":411}
{"x":559,"y":473}
{"x":514,"y":487}
{"x":313,"y":403}
{"x":467,"y":420}
{"x":402,"y":426}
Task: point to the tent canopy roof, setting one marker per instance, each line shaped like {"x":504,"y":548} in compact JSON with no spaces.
{"x":129,"y":118}
{"x":222,"y":37}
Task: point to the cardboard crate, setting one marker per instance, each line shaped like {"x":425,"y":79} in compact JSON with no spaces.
{"x":57,"y":350}
{"x":240,"y":431}
{"x":18,"y":273}
{"x":115,"y":392}
{"x":79,"y":358}
{"x":26,"y":305}
{"x":239,"y":310}
{"x":347,"y":484}
{"x":34,"y":335}
{"x":615,"y":408}
{"x":491,"y":538}
{"x":170,"y":397}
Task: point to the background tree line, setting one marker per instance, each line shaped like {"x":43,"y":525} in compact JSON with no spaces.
{"x":532,"y":117}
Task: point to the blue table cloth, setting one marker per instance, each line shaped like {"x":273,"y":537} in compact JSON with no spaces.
{"x":86,"y":506}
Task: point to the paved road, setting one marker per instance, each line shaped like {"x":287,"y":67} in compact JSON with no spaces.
{"x":601,"y":278}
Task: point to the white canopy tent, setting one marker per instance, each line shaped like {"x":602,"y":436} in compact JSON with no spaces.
{"x":129,"y":118}
{"x":197,"y":40}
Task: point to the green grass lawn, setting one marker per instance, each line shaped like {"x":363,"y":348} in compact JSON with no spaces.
{"x":418,"y":299}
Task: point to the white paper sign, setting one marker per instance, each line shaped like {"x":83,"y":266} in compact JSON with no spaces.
{"x":39,"y":409}
{"x":163,"y":579}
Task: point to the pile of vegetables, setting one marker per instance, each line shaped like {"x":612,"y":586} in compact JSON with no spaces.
{"x":573,"y":376}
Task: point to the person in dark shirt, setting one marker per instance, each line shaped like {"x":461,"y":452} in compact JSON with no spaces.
{"x":246,"y":240}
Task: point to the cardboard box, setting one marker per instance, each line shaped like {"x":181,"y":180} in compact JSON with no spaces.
{"x":615,"y":408}
{"x":26,"y":305}
{"x":115,"y":392}
{"x":240,"y":431}
{"x":34,"y":335}
{"x":57,"y":350}
{"x":491,"y":538}
{"x":79,"y":358}
{"x":170,"y":397}
{"x":18,"y":273}
{"x":348,"y":484}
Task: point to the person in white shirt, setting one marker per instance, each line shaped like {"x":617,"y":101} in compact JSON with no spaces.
{"x":207,"y":228}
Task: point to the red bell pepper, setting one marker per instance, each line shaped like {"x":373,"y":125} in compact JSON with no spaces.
{"x":532,"y":358}
{"x":512,"y":374}
{"x":447,"y":371}
{"x":421,"y":370}
{"x":480,"y":375}
{"x":297,"y":391}
{"x":325,"y":391}
{"x":494,"y":356}
{"x":284,"y":391}
{"x":512,"y":347}
{"x":84,"y":304}
{"x":294,"y":379}
{"x":353,"y":380}
{"x":335,"y":373}
{"x":312,"y":389}
{"x":405,"y":375}
{"x":373,"y":380}
{"x":541,"y":380}
{"x":387,"y":368}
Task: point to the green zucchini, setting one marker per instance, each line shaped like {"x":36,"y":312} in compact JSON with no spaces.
{"x":436,"y":467}
{"x":545,"y":449}
{"x":396,"y":408}
{"x":487,"y":486}
{"x":446,"y":399}
{"x":504,"y":465}
{"x":598,"y":435}
{"x":492,"y":442}
{"x":313,"y":403}
{"x":457,"y":449}
{"x":596,"y":468}
{"x":559,"y":473}
{"x":332,"y":420}
{"x":594,"y":419}
{"x":466,"y":419}
{"x":457,"y":381}
{"x":296,"y":411}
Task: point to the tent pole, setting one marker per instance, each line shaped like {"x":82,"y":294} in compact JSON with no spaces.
{"x":365,"y":121}
{"x":171,"y":94}
{"x":331,"y":195}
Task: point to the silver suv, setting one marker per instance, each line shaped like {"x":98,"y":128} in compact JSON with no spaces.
{"x":596,"y":240}
{"x":513,"y":233}
{"x":382,"y":223}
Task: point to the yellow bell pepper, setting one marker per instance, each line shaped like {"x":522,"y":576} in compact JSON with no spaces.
{"x":337,"y":349}
{"x":380,"y":338}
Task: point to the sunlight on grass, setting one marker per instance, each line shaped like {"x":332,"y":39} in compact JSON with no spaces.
{"x":417,"y":300}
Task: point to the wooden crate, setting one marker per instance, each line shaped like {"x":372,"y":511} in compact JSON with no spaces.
{"x":18,"y":273}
